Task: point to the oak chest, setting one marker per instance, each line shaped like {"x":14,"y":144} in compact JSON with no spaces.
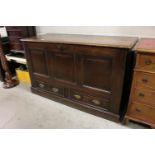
{"x":82,"y":71}
{"x":142,"y":99}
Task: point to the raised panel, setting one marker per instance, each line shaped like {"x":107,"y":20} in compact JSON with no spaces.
{"x":64,"y":67}
{"x":38,"y":58}
{"x":96,"y":72}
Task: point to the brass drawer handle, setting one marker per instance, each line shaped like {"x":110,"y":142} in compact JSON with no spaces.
{"x":145,"y":80}
{"x":41,"y":85}
{"x":141,"y":94}
{"x":97,"y":102}
{"x":55,"y":90}
{"x":148,"y":62}
{"x":78,"y":97}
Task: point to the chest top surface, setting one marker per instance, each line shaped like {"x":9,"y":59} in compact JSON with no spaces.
{"x":105,"y":41}
{"x":145,"y":45}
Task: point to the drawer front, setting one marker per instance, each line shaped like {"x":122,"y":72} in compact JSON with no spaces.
{"x":54,"y":89}
{"x":92,"y":101}
{"x":142,"y":112}
{"x":146,"y":62}
{"x":146,"y":80}
{"x":41,"y":85}
{"x":144,"y":96}
{"x":96,"y":102}
{"x":75,"y":95}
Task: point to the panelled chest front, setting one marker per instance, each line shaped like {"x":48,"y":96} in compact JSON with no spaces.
{"x":85,"y":72}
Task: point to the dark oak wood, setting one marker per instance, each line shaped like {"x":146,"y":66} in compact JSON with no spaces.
{"x":12,"y":65}
{"x":15,"y":33}
{"x":86,"y":72}
{"x":1,"y":73}
{"x":8,"y":81}
{"x":5,"y":46}
{"x":106,"y":41}
{"x":141,"y":106}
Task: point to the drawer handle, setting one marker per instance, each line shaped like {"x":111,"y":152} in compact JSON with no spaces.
{"x":145,"y":80}
{"x":78,"y":97}
{"x":138,"y":110}
{"x":141,"y":94}
{"x":55,"y":90}
{"x":148,"y":62}
{"x":97,"y":102}
{"x":41,"y":85}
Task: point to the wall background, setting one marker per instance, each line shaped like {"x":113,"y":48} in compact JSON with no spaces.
{"x":138,"y":31}
{"x":3,"y":32}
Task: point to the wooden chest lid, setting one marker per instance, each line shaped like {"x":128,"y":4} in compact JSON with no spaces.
{"x":107,"y":41}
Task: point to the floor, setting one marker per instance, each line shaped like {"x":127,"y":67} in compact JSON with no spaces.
{"x":21,"y":109}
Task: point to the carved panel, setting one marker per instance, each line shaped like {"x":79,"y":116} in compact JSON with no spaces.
{"x":38,"y":58}
{"x":64,"y":67}
{"x":96,"y":72}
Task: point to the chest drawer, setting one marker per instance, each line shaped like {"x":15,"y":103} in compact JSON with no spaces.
{"x":97,"y":102}
{"x":142,"y":112}
{"x":144,"y":96}
{"x":146,"y":62}
{"x":146,"y":80}
{"x":54,"y":89}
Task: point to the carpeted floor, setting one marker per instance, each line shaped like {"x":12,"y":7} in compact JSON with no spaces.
{"x":20,"y":109}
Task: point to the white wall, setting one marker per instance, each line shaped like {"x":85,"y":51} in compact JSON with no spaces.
{"x":3,"y":32}
{"x":139,"y":31}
